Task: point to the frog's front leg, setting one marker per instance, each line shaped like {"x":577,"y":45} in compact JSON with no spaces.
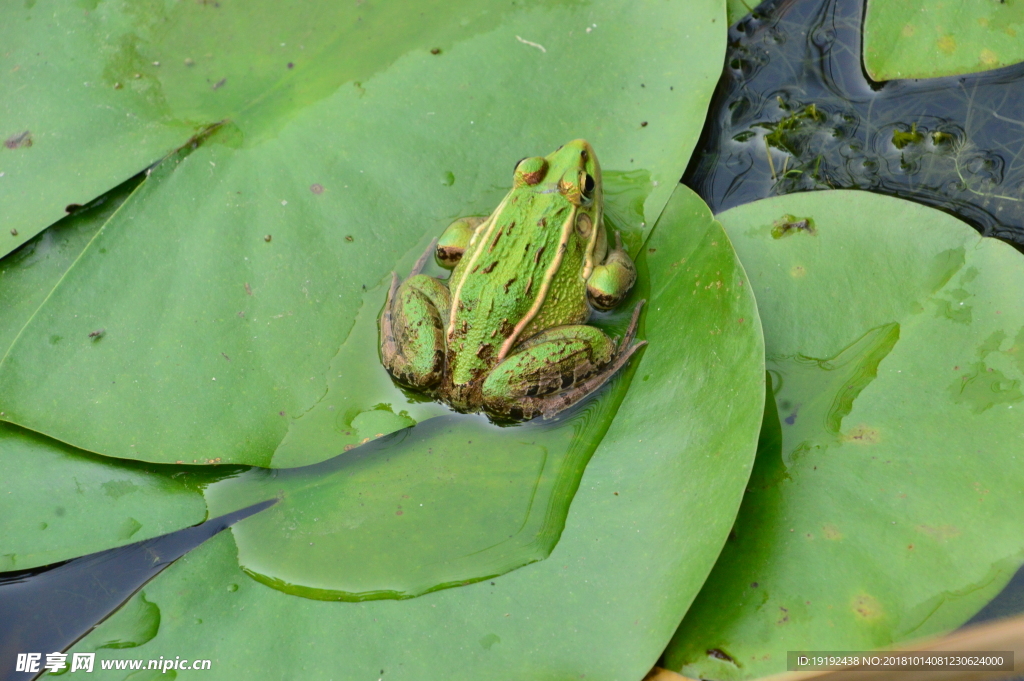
{"x":609,"y":283}
{"x":412,"y":336}
{"x":455,"y":240}
{"x":556,"y":369}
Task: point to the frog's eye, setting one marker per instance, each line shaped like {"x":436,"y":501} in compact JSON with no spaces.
{"x":530,"y":170}
{"x":588,"y":186}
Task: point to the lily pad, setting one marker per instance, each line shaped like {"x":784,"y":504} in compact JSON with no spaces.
{"x":230,"y":280}
{"x":118,"y":85}
{"x":653,"y":506}
{"x":59,"y":503}
{"x":925,"y":39}
{"x":737,"y":9}
{"x":451,"y":501}
{"x":887,"y":504}
{"x":28,"y":275}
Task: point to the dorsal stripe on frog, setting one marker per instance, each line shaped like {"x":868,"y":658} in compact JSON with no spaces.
{"x":549,"y":276}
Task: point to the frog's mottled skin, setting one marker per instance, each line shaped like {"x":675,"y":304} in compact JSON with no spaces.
{"x":506,"y":333}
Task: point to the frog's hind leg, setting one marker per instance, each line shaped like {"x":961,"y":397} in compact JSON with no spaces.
{"x":412,"y":337}
{"x":555,"y":369}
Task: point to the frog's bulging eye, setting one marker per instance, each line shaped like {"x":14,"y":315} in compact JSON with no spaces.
{"x":588,"y":186}
{"x":531,"y":170}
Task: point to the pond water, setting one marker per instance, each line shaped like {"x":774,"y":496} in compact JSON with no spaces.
{"x":795,"y":111}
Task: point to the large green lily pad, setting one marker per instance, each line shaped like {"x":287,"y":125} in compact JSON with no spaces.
{"x":29,"y":275}
{"x":60,"y":503}
{"x":93,"y":92}
{"x":886,"y":500}
{"x":230,"y":280}
{"x":453,"y":500}
{"x":653,"y":508}
{"x":925,"y":38}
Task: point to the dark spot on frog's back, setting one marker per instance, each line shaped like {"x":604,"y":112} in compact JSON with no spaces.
{"x":485,"y":352}
{"x":538,"y":254}
{"x":509,"y":283}
{"x":490,"y":268}
{"x":498,"y":236}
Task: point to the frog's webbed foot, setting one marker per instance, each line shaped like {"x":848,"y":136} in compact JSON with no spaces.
{"x":412,"y":338}
{"x":556,"y":369}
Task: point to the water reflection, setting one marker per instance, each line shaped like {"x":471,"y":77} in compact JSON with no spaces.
{"x":794,"y":111}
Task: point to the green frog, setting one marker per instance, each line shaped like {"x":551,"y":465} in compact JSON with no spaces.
{"x":506,"y":334}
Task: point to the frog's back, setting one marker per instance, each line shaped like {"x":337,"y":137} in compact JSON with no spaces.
{"x":506,"y":276}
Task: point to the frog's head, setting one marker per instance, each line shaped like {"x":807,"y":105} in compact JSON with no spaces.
{"x":572,"y":170}
{"x":571,"y":176}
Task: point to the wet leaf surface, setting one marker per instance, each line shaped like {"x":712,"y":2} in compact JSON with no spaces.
{"x":217,"y":340}
{"x":885,"y":500}
{"x":653,"y":508}
{"x":921,"y":39}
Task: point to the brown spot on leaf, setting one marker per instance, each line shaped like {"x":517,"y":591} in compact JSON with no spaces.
{"x":866,"y":607}
{"x":789,"y":224}
{"x":940,"y":532}
{"x":831,"y":532}
{"x":863,"y":434}
{"x":316,"y":188}
{"x":19,"y":141}
{"x":720,"y":654}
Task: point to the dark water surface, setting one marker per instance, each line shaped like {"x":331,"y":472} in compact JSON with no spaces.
{"x":48,"y":608}
{"x":795,"y":111}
